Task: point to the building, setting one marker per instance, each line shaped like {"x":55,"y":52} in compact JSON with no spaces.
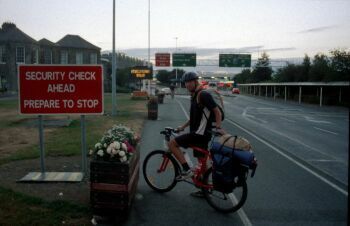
{"x":16,"y":48}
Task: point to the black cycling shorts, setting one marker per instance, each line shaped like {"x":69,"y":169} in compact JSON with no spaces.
{"x":192,"y":139}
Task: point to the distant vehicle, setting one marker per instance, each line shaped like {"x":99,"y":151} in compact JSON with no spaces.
{"x":167,"y":91}
{"x":235,"y":91}
{"x":213,"y":85}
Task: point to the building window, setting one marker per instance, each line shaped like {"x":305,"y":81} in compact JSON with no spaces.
{"x":20,"y":55}
{"x":93,"y":58}
{"x":48,"y":56}
{"x":64,"y":57}
{"x":2,"y":55}
{"x":35,"y":56}
{"x":79,"y":58}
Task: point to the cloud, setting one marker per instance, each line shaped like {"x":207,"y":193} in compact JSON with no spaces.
{"x":317,"y":29}
{"x":280,"y":49}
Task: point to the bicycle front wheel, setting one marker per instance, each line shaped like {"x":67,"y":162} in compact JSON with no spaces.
{"x":160,"y":170}
{"x":225,"y":202}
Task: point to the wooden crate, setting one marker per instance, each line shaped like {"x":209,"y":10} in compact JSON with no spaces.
{"x":113,"y":185}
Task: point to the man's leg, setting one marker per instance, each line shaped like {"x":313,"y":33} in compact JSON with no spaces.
{"x":175,"y":149}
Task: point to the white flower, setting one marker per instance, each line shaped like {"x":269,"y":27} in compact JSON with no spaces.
{"x":91,"y":152}
{"x":114,"y":152}
{"x":123,"y":159}
{"x":100,"y":153}
{"x":124,"y":147}
{"x":109,"y":150}
{"x":105,"y":145}
{"x":98,"y":145}
{"x":122,"y":153}
{"x":116,"y":145}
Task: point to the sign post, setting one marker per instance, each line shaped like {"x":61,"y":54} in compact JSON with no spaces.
{"x":42,"y":150}
{"x":60,"y":89}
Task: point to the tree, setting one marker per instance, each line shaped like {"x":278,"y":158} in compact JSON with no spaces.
{"x":290,"y":73}
{"x":306,"y":65}
{"x":340,"y":65}
{"x":243,"y":77}
{"x":262,"y":70}
{"x":320,"y":69}
{"x":163,"y":76}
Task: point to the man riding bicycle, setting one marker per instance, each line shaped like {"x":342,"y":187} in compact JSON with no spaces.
{"x":172,"y":90}
{"x":200,"y":125}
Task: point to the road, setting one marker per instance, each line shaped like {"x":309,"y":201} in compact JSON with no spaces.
{"x":301,"y":178}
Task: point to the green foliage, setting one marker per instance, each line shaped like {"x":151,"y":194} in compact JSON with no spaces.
{"x":243,"y":77}
{"x":261,"y":73}
{"x":165,"y":76}
{"x":340,"y":63}
{"x":322,"y":69}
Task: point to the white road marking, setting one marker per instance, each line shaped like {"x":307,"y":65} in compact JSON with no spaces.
{"x":327,"y":131}
{"x":322,"y":160}
{"x":183,"y":109}
{"x":241,"y":213}
{"x":288,"y":120}
{"x":292,"y":160}
{"x":310,"y":119}
{"x":244,"y":114}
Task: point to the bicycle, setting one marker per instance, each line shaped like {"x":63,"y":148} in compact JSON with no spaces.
{"x":160,"y":169}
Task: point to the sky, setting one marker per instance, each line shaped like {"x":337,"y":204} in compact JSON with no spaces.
{"x":282,"y":28}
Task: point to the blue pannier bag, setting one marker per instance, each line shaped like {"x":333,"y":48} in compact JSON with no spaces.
{"x":229,"y":163}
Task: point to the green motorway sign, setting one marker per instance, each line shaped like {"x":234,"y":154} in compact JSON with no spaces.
{"x":184,"y":59}
{"x":234,"y":60}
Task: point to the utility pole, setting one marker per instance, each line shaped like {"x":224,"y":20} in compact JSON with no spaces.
{"x":114,"y":88}
{"x":175,"y":52}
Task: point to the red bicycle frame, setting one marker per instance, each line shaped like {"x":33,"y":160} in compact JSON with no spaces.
{"x":199,"y":170}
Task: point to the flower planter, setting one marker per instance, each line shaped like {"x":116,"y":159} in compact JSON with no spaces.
{"x":113,"y":186}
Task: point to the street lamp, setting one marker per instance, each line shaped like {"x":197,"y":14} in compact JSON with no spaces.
{"x":149,"y":32}
{"x":114,"y":88}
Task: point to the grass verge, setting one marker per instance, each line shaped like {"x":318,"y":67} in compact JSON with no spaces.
{"x":19,"y":209}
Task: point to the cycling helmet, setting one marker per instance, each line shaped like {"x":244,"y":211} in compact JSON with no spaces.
{"x":189,"y":76}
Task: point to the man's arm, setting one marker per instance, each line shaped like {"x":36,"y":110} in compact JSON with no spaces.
{"x":181,"y":128}
{"x":217,"y":114}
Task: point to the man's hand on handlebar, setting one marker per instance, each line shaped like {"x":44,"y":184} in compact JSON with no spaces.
{"x":220,"y":130}
{"x":179,"y":129}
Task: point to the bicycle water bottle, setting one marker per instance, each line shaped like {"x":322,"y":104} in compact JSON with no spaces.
{"x":188,"y":160}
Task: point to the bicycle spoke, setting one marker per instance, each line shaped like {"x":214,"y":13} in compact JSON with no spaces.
{"x":225,"y":202}
{"x":159,"y":171}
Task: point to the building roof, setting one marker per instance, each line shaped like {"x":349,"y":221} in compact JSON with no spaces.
{"x":75,"y":41}
{"x":45,"y":42}
{"x":9,"y":32}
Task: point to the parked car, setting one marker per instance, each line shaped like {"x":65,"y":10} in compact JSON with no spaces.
{"x":167,"y":91}
{"x":235,"y":91}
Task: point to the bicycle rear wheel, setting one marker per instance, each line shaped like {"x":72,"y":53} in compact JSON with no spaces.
{"x":225,"y":202}
{"x":160,"y":170}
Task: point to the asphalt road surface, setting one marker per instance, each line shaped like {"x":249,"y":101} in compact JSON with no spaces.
{"x":301,"y":179}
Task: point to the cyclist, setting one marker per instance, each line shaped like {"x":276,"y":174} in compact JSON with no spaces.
{"x":172,"y":89}
{"x":200,"y":125}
